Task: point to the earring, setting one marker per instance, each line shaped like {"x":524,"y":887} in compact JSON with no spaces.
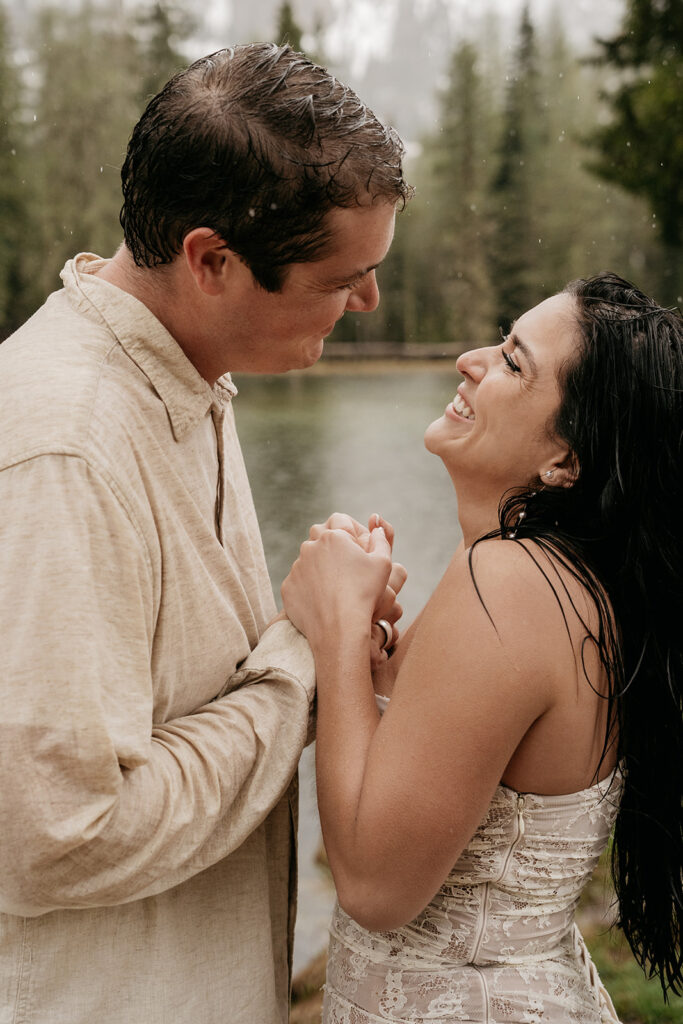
{"x":549,"y":472}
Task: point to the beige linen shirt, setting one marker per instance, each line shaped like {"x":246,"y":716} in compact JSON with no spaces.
{"x":146,"y":826}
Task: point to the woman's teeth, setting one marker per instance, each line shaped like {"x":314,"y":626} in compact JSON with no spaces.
{"x":462,"y":408}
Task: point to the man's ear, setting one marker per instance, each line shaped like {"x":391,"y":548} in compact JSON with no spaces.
{"x":208,"y":259}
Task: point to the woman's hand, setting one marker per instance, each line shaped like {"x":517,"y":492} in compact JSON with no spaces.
{"x":387,"y":608}
{"x":339,"y":579}
{"x":390,"y":611}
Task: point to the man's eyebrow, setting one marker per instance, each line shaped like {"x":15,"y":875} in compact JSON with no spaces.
{"x":353,"y":278}
{"x":523,"y":348}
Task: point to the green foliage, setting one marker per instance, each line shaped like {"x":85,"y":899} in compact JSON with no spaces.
{"x":288,"y":31}
{"x":515,"y":208}
{"x":642,"y":147}
{"x":637,"y":999}
{"x":13,"y":210}
{"x":507,"y":208}
{"x":85,"y":106}
{"x":460,"y":227}
{"x":160,"y":31}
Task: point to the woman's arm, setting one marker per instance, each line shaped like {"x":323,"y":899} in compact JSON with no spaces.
{"x":399,"y":799}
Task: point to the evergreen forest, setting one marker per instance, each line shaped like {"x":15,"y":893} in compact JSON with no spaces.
{"x":543,"y":163}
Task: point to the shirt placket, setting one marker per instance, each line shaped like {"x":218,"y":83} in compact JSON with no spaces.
{"x":218,"y":417}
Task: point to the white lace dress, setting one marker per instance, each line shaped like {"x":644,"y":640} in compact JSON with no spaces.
{"x":498,"y":943}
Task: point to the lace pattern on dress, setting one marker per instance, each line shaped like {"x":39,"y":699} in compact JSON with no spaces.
{"x":497,"y":943}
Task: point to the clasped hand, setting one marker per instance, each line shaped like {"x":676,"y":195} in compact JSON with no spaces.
{"x":344,"y":579}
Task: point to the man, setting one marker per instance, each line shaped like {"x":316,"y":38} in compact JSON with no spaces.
{"x":151,"y":723}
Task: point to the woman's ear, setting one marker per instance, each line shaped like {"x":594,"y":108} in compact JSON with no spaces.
{"x":563,"y":471}
{"x":208,"y":259}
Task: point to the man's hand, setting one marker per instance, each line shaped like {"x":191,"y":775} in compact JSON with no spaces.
{"x":387,"y":607}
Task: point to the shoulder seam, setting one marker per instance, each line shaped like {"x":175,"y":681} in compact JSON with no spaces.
{"x":109,"y":481}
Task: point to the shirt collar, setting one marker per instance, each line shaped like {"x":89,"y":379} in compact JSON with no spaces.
{"x":184,"y":392}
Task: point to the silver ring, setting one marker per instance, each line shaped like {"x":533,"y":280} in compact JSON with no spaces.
{"x":388,"y":631}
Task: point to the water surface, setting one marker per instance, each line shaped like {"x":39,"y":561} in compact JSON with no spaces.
{"x":346,"y":442}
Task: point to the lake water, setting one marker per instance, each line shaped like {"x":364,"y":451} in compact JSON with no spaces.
{"x":318,"y":443}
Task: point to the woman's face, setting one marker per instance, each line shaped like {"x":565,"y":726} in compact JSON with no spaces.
{"x":495,"y":434}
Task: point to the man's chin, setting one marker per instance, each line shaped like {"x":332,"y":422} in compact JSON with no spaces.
{"x":312,"y":353}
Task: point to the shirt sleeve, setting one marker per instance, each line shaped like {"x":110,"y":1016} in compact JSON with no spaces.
{"x":97,"y":805}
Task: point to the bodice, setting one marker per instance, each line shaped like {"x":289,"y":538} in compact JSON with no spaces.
{"x":512,"y":894}
{"x":498,"y":942}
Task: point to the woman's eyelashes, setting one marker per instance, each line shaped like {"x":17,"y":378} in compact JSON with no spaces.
{"x":512,"y":365}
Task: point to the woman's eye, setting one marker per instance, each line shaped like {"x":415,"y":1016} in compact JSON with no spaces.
{"x":511,"y":363}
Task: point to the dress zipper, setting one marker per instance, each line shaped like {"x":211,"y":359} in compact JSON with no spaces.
{"x":521,"y":801}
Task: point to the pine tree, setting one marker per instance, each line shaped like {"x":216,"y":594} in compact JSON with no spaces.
{"x":161,"y":31}
{"x":86,"y":62}
{"x":460,"y":224}
{"x":642,"y":147}
{"x":288,"y":31}
{"x":13,"y":211}
{"x":515,"y":205}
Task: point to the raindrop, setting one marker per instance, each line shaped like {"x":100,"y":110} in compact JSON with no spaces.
{"x":35,"y":117}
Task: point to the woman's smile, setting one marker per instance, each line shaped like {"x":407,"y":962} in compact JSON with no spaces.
{"x":459,"y":410}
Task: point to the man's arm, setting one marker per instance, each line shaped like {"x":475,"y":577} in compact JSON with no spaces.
{"x":97,"y":806}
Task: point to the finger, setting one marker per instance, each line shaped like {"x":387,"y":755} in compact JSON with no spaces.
{"x":341,"y":521}
{"x":388,"y":607}
{"x":377,"y":520}
{"x":397,"y":576}
{"x":377,"y":657}
{"x":379,"y":543}
{"x":379,"y":646}
{"x":378,"y":638}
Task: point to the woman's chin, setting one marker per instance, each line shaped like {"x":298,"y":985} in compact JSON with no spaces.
{"x":434,"y":436}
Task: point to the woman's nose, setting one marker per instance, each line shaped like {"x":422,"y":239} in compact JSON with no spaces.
{"x":473,"y":363}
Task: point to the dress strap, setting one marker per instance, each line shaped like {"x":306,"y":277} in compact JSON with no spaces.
{"x":608,"y":1015}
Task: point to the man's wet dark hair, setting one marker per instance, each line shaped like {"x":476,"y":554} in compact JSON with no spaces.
{"x":259,"y":144}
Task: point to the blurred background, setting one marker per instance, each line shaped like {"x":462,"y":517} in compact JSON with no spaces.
{"x":545,"y":140}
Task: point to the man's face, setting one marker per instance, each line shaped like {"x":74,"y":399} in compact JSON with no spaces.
{"x":271,"y":332}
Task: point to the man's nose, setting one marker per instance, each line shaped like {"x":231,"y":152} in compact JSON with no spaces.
{"x":365,"y":296}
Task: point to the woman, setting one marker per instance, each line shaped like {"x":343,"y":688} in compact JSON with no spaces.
{"x":535,"y":702}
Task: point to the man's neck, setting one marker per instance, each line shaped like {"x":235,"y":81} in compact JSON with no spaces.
{"x":166,"y":292}
{"x":145,"y":284}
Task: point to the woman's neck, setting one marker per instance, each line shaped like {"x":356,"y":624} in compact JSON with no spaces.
{"x":477,"y":514}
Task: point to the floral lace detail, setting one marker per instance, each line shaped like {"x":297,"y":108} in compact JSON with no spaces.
{"x":498,"y":943}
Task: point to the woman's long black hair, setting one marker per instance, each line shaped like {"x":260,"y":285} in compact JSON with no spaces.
{"x":619,"y":529}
